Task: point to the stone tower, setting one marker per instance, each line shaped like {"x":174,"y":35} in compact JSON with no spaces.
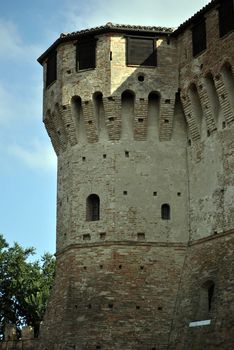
{"x":141,"y":119}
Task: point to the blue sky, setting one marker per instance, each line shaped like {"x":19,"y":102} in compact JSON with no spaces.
{"x":28,"y":163}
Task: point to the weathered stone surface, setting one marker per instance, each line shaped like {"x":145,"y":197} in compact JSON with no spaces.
{"x":132,"y":280}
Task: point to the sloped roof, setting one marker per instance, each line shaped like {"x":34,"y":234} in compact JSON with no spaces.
{"x":195,"y":17}
{"x":108,"y":28}
{"x":129,"y":29}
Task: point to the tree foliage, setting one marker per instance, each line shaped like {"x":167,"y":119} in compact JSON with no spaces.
{"x":24,"y":286}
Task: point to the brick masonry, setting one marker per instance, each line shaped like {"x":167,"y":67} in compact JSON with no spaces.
{"x":132,"y":280}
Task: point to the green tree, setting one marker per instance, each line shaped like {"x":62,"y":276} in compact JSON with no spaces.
{"x":24,"y":286}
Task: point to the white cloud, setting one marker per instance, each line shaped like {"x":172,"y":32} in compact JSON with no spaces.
{"x":39,"y":155}
{"x":12,"y":45}
{"x":155,"y":12}
{"x":20,"y":104}
{"x":5,"y":102}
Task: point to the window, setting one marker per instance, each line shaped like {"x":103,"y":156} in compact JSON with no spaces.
{"x":165,"y":212}
{"x":86,"y":54}
{"x":93,"y":208}
{"x":206,"y":300}
{"x":210,"y":290}
{"x":199,"y":37}
{"x":51,"y":69}
{"x":226,"y":17}
{"x":141,"y":51}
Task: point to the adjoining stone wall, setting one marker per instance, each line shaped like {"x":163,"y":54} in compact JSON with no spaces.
{"x":207,"y":260}
{"x":30,"y":344}
{"x":207,"y":84}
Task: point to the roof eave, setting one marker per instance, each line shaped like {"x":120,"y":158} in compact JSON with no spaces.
{"x":77,"y":35}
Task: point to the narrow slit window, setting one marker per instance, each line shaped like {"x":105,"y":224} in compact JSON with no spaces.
{"x":199,"y":37}
{"x":141,"y":51}
{"x":210,"y":294}
{"x":165,"y":212}
{"x":51,"y":69}
{"x":86,"y":55}
{"x":226,"y":17}
{"x":206,"y":300}
{"x":93,"y":208}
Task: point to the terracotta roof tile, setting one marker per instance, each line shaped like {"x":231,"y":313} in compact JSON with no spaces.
{"x":128,"y":29}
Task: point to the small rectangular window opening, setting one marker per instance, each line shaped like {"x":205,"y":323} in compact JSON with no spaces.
{"x":86,"y":54}
{"x":199,"y":37}
{"x":127,"y":154}
{"x":86,"y":237}
{"x":103,"y":236}
{"x":141,"y":236}
{"x":51,"y":69}
{"x":226,"y":17}
{"x":141,"y":51}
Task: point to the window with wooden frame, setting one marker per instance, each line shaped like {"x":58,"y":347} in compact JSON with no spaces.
{"x":226,"y":17}
{"x":51,"y":69}
{"x":141,"y":51}
{"x":86,"y":54}
{"x":199,"y":37}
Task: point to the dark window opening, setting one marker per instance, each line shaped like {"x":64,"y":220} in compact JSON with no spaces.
{"x":51,"y":69}
{"x":199,"y":37}
{"x":165,"y":212}
{"x":102,"y":235}
{"x":86,"y":55}
{"x":206,"y":300}
{"x":93,"y":208}
{"x":226,"y":17}
{"x":141,"y":51}
{"x":210,"y":295}
{"x":86,"y":237}
{"x":141,"y":236}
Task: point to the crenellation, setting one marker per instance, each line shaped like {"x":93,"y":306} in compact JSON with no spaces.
{"x":193,"y":127}
{"x":90,"y":121}
{"x":50,"y":127}
{"x":140,"y":121}
{"x":166,"y":119}
{"x":223,"y":98}
{"x":69,"y":124}
{"x":206,"y":107}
